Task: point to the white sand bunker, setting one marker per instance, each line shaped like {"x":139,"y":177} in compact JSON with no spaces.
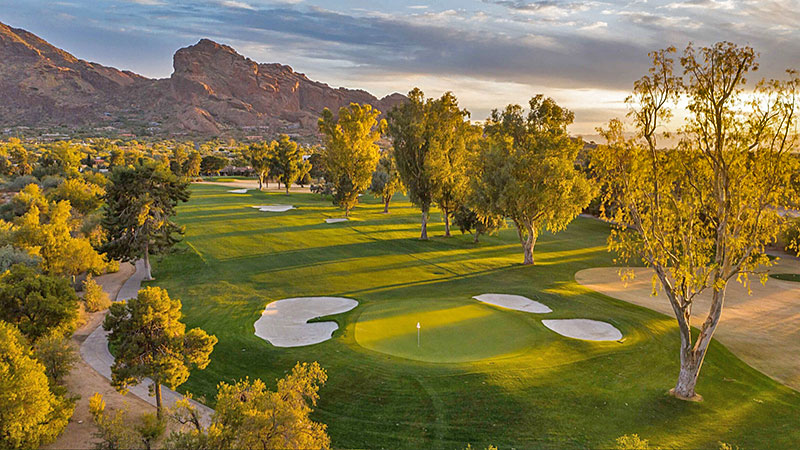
{"x":585,"y":329}
{"x":273,"y":208}
{"x":284,"y":323}
{"x":517,"y":302}
{"x":337,"y":220}
{"x":238,"y":191}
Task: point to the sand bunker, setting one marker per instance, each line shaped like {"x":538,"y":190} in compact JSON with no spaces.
{"x":517,"y":302}
{"x":238,"y":191}
{"x":284,"y":323}
{"x":337,"y":220}
{"x":585,"y":329}
{"x":274,"y":208}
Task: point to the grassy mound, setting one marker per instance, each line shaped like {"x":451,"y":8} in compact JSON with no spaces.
{"x":451,"y":330}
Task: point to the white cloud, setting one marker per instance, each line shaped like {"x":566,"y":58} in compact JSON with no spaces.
{"x":594,"y":26}
{"x":236,"y":4}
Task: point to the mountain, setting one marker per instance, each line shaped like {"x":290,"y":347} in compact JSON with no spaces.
{"x":213,"y":90}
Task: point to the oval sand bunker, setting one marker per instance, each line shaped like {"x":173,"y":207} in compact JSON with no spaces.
{"x":516,"y":302}
{"x":274,"y":208}
{"x":584,"y":329}
{"x":284,"y":323}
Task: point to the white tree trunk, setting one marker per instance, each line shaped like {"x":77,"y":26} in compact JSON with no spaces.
{"x":424,"y":234}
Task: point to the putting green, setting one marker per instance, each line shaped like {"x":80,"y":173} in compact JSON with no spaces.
{"x":451,"y":331}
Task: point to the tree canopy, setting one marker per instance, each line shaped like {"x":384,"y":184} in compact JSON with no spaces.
{"x":701,"y":213}
{"x":31,"y":415}
{"x":151,"y":341}
{"x":386,"y":179}
{"x":36,"y":303}
{"x":430,"y":139}
{"x":248,"y":415}
{"x":526,"y":171}
{"x":350,"y":152}
{"x":286,"y":159}
{"x":140,"y":204}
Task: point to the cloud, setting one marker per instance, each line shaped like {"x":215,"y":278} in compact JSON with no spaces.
{"x":236,"y":4}
{"x":594,"y":26}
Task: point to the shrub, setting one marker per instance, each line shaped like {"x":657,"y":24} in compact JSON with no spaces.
{"x":20,"y":182}
{"x":632,"y":442}
{"x":50,"y":181}
{"x":95,"y":297}
{"x":56,"y":355}
{"x":10,"y":255}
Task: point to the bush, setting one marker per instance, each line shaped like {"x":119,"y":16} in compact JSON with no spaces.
{"x":56,"y":355}
{"x":632,"y":442}
{"x":95,"y":297}
{"x":20,"y":182}
{"x":50,"y":181}
{"x":10,"y":255}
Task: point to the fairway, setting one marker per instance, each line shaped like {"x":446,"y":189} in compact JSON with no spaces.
{"x":451,"y":331}
{"x":482,"y":374}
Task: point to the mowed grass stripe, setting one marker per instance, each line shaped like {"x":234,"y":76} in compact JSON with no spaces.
{"x":557,"y":393}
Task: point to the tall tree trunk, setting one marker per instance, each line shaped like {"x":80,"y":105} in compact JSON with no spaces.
{"x":477,"y":235}
{"x":692,"y":356}
{"x":287,"y":188}
{"x":386,"y":204}
{"x":147,"y":274}
{"x":159,"y":408}
{"x":347,"y":212}
{"x":528,"y":242}
{"x":446,"y":222}
{"x":260,"y":182}
{"x":424,"y":234}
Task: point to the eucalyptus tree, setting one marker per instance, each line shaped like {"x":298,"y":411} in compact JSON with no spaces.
{"x":286,"y":160}
{"x":430,"y":142}
{"x":525,"y":170}
{"x":350,"y":153}
{"x":386,"y":180}
{"x":701,"y":213}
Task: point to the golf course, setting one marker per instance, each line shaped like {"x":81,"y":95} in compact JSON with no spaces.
{"x":472,"y":373}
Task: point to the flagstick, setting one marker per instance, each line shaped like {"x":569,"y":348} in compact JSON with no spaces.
{"x":417,"y":334}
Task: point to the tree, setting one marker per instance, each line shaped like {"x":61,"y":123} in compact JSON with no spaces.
{"x":247,"y":415}
{"x":60,"y":158}
{"x":449,"y":136}
{"x":151,"y":341}
{"x":37,"y":304}
{"x":192,"y":165}
{"x":700,"y":213}
{"x":259,"y":157}
{"x":467,"y":220}
{"x":213,"y":164}
{"x":287,"y":161}
{"x":94,"y":296}
{"x":84,"y":197}
{"x":350,"y":152}
{"x":140,"y":204}
{"x":386,"y":180}
{"x":113,"y":429}
{"x":50,"y":236}
{"x":30,"y":413}
{"x":179,"y":159}
{"x":429,"y":138}
{"x":525,"y":170}
{"x":56,"y":355}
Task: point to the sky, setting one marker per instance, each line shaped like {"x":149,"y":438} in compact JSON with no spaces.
{"x":586,"y":54}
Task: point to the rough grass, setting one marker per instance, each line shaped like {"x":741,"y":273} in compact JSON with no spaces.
{"x":538,"y":390}
{"x":786,"y":276}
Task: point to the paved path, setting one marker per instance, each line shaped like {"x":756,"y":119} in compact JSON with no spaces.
{"x":94,"y":352}
{"x":762,"y":328}
{"x":253,"y":184}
